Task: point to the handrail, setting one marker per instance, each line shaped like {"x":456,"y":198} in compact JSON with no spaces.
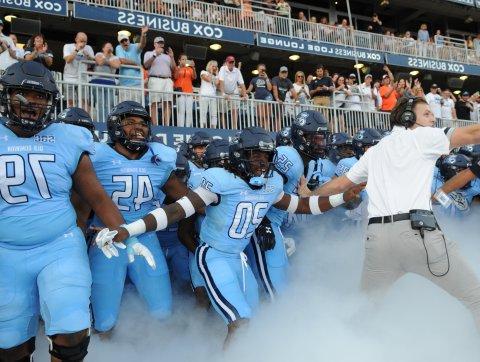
{"x":443,"y":48}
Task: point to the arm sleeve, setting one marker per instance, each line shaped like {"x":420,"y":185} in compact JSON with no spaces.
{"x":67,"y":50}
{"x":207,"y":196}
{"x":359,"y":172}
{"x":221,"y":74}
{"x":147,"y":56}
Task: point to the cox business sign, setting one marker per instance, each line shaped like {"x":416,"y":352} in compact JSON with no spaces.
{"x":318,"y":48}
{"x":161,"y":23}
{"x":432,"y":64}
{"x":53,"y":7}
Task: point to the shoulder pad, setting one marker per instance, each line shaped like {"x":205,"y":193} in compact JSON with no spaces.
{"x":163,"y":153}
{"x":215,"y":180}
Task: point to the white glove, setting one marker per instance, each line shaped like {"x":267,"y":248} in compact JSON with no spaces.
{"x":104,"y":241}
{"x":134,"y":247}
{"x":290,"y":247}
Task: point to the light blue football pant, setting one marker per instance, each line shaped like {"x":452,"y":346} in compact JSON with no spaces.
{"x":109,"y":279}
{"x":230,"y":283}
{"x":269,"y":267}
{"x":52,"y":280}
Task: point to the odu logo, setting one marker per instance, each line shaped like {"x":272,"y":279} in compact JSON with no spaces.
{"x":302,"y":119}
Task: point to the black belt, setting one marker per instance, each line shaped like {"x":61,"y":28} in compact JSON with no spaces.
{"x":388,"y":219}
{"x":158,"y":76}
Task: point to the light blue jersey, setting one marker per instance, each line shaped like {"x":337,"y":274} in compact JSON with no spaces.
{"x":134,"y":185}
{"x":288,"y":163}
{"x":461,"y":199}
{"x":195,"y":178}
{"x":229,"y":224}
{"x":36,"y":182}
{"x":344,"y":165}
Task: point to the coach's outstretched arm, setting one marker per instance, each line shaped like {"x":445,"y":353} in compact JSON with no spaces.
{"x":462,"y":136}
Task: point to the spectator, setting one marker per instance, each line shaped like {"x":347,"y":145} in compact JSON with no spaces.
{"x":281,"y":87}
{"x":18,"y":52}
{"x":417,"y":90}
{"x":7,"y":54}
{"x":130,"y":71}
{"x":340,"y":92}
{"x":476,"y":45}
{"x":423,"y":38}
{"x":439,"y":42}
{"x":375,"y":25}
{"x":230,"y":80}
{"x":39,"y":52}
{"x":321,"y":88}
{"x":301,"y":88}
{"x":107,"y":63}
{"x":208,"y":91}
{"x":161,"y":67}
{"x":448,"y":105}
{"x":475,"y":115}
{"x":378,"y":97}
{"x":184,"y":76}
{"x":409,"y":43}
{"x":387,"y":91}
{"x":301,"y":16}
{"x":302,"y":26}
{"x":76,"y":56}
{"x":469,"y":42}
{"x":463,"y":107}
{"x":367,"y":94}
{"x":434,"y":100}
{"x":403,"y":88}
{"x":262,"y":88}
{"x":283,"y":8}
{"x":353,"y":99}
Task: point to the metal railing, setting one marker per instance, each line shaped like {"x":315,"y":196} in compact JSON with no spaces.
{"x":253,"y":18}
{"x":196,"y":110}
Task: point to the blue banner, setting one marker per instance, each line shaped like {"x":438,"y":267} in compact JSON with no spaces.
{"x":432,"y":64}
{"x":172,"y":136}
{"x":318,"y":48}
{"x":52,"y":7}
{"x":161,"y":23}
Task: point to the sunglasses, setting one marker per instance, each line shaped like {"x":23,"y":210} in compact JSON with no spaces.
{"x":123,"y":40}
{"x":300,"y":76}
{"x":262,"y":70}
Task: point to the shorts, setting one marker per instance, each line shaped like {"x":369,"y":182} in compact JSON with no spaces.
{"x":226,"y":106}
{"x":130,"y":94}
{"x":52,"y":280}
{"x":324,"y":101}
{"x":163,"y":85}
{"x":230,"y":283}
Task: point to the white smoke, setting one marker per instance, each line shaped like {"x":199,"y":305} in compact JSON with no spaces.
{"x":321,"y":317}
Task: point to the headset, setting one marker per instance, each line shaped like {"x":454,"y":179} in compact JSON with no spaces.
{"x":408,"y":117}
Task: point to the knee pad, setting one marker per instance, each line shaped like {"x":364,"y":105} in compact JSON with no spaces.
{"x":21,"y":353}
{"x":74,"y":353}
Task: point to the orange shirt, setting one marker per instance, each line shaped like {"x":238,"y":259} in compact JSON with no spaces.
{"x":389,"y":102}
{"x":184,"y":79}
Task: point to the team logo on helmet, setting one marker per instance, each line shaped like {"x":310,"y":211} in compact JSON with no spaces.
{"x":301,"y":119}
{"x":62,"y":115}
{"x":450,"y":159}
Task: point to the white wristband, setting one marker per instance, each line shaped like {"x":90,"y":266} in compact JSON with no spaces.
{"x":160,"y":217}
{"x":336,"y":200}
{"x":135,"y":228}
{"x":293,"y":205}
{"x":187,"y":206}
{"x":313,"y":204}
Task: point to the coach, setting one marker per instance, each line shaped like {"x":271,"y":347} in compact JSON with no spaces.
{"x":402,"y":234}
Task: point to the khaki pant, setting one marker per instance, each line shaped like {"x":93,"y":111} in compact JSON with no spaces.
{"x":394,"y":249}
{"x":322,"y":101}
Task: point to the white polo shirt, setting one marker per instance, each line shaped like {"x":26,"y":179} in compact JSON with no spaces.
{"x":231,"y":79}
{"x":434,"y":101}
{"x":399,"y":170}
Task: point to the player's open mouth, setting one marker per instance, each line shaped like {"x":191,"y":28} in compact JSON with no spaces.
{"x":29,"y":113}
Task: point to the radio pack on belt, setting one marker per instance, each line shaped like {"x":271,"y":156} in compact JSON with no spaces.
{"x":423,"y":220}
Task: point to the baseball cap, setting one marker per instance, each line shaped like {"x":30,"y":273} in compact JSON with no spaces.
{"x":369,"y":76}
{"x":283,"y":69}
{"x":352,"y":76}
{"x":465,"y":93}
{"x":230,"y":58}
{"x":384,"y":76}
{"x":434,"y":85}
{"x":121,"y":37}
{"x":159,"y":39}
